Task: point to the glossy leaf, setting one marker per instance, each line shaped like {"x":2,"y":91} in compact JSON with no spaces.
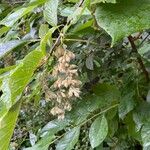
{"x":3,"y":30}
{"x":6,"y":69}
{"x":123,"y":18}
{"x":104,"y":96}
{"x":47,"y":39}
{"x":17,"y":80}
{"x":131,"y":126}
{"x":145,"y":133}
{"x":81,"y":111}
{"x":43,"y":144}
{"x":126,"y":104}
{"x":9,"y":46}
{"x":50,"y":12}
{"x":98,"y":131}
{"x":12,"y":18}
{"x":102,"y":1}
{"x":54,"y":126}
{"x":48,"y":132}
{"x":144,"y":48}
{"x":69,"y":140}
{"x":68,"y":11}
{"x":43,"y":30}
{"x":141,"y":115}
{"x":16,"y":15}
{"x":7,"y":125}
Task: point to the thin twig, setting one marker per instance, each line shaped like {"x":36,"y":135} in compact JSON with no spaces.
{"x":72,"y":40}
{"x":82,"y":41}
{"x":139,"y":59}
{"x":80,"y":3}
{"x":16,"y":2}
{"x":144,"y":39}
{"x":57,"y":42}
{"x":101,"y":112}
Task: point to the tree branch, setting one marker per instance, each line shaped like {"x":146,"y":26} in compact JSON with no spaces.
{"x":139,"y":59}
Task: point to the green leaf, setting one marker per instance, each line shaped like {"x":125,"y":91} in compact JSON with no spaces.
{"x":81,"y":110}
{"x":144,"y":48}
{"x":69,"y":140}
{"x":131,"y":126}
{"x":43,"y":30}
{"x":14,"y":17}
{"x":113,"y":126}
{"x":54,"y":126}
{"x":6,"y":69}
{"x":126,"y":104}
{"x":73,"y":1}
{"x":75,"y":16}
{"x":68,"y":11}
{"x":7,"y":125}
{"x":17,"y":80}
{"x":107,"y":92}
{"x":47,"y":39}
{"x":145,"y":133}
{"x":9,"y":46}
{"x":48,"y":131}
{"x":98,"y":131}
{"x":141,"y":115}
{"x":43,"y":144}
{"x":3,"y":30}
{"x":123,"y":18}
{"x":103,"y":1}
{"x":17,"y":14}
{"x":50,"y":12}
{"x":75,"y":117}
{"x":82,"y":26}
{"x":104,"y":96}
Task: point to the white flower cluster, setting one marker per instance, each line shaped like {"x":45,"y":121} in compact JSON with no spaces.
{"x":67,"y":86}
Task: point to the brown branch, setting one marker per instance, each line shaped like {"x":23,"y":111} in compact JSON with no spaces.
{"x":139,"y":59}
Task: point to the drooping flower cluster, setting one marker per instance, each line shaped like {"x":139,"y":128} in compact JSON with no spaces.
{"x":66,"y":87}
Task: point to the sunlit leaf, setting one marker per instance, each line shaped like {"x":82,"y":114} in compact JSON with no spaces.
{"x":17,"y":80}
{"x":50,"y":12}
{"x":3,"y":30}
{"x":145,"y":133}
{"x":7,"y":125}
{"x":17,"y":14}
{"x":43,"y":30}
{"x":98,"y":131}
{"x":9,"y":46}
{"x":43,"y":144}
{"x":47,"y":39}
{"x":123,"y":18}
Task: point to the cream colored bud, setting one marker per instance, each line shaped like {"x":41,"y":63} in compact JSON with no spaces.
{"x":56,"y":110}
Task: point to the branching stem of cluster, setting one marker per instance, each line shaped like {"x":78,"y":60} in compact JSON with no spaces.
{"x":80,"y":40}
{"x":72,"y":40}
{"x":139,"y":59}
{"x":101,"y":112}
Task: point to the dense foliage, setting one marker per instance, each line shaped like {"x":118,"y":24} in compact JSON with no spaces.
{"x":104,"y":101}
